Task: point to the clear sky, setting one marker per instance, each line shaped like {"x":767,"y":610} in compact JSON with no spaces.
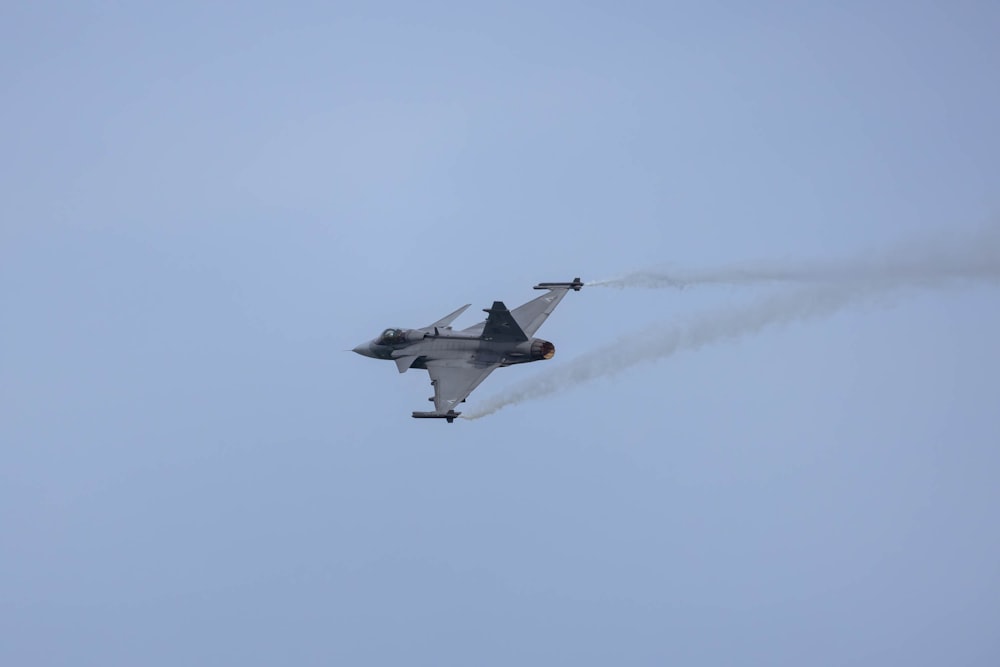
{"x":203,"y":206}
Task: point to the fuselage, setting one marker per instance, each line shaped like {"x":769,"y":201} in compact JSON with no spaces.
{"x":425,"y":345}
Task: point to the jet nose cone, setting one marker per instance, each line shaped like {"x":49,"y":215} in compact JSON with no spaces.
{"x":364,"y":349}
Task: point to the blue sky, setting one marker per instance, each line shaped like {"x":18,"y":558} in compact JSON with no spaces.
{"x":203,"y":208}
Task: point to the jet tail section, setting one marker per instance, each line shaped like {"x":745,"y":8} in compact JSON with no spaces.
{"x":501,"y":326}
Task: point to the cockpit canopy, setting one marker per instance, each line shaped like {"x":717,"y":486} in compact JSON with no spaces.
{"x":391,"y":337}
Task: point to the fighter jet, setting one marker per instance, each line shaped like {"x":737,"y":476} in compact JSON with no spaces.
{"x":458,"y":361}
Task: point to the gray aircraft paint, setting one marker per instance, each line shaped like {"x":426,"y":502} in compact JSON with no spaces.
{"x":459,"y":361}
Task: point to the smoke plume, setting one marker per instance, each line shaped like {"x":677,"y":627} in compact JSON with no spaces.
{"x":816,"y":291}
{"x":944,"y":259}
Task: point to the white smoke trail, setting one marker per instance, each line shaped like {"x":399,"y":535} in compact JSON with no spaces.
{"x":681,"y":278}
{"x":972,"y":258}
{"x":840,"y":285}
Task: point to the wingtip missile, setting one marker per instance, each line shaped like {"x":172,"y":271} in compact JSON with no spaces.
{"x":451,"y":415}
{"x":576,"y":285}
